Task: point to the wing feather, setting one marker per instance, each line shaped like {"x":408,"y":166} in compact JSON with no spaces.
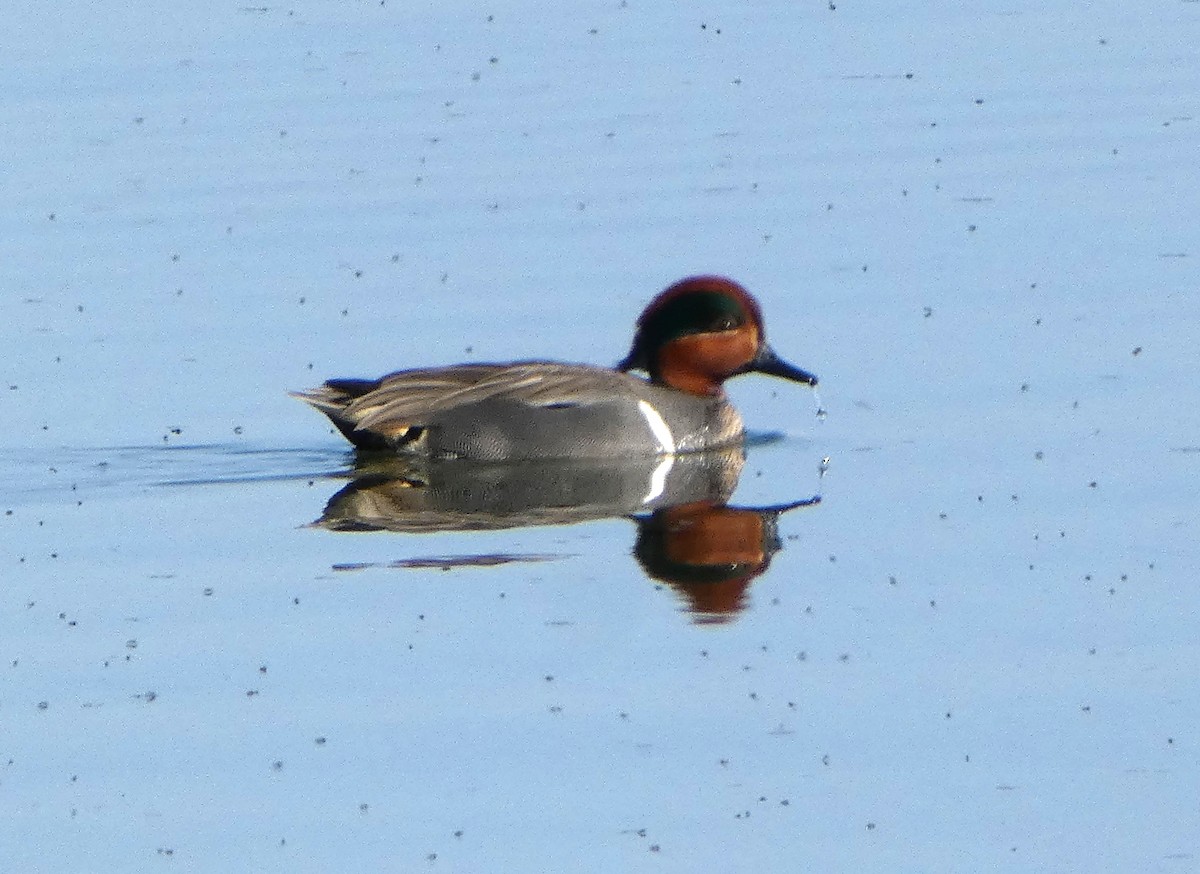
{"x":414,"y":397}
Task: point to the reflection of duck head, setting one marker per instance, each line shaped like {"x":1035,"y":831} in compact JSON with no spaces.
{"x":710,"y":553}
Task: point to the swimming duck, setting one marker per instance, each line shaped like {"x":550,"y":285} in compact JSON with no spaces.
{"x":689,"y":340}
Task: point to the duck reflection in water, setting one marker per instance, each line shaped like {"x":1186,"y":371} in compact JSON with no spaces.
{"x":687,"y":535}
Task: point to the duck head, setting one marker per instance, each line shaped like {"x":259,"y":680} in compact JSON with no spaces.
{"x":701,"y":331}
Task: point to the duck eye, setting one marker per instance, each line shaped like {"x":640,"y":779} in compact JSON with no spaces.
{"x":725,"y":322}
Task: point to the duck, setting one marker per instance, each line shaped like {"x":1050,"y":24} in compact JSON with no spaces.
{"x":688,"y":340}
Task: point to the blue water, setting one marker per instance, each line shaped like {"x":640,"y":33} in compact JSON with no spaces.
{"x":976,"y":226}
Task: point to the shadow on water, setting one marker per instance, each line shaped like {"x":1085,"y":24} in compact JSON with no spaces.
{"x":687,"y":536}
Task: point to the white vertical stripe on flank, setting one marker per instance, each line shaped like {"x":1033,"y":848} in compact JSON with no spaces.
{"x":658,"y":427}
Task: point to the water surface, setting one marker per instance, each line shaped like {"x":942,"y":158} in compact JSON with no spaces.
{"x":977,"y":227}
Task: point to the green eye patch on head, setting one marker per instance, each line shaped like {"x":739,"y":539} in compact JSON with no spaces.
{"x":698,"y":313}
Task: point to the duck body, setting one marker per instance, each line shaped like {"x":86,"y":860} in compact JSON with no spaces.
{"x":690,"y":339}
{"x":524,"y":410}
